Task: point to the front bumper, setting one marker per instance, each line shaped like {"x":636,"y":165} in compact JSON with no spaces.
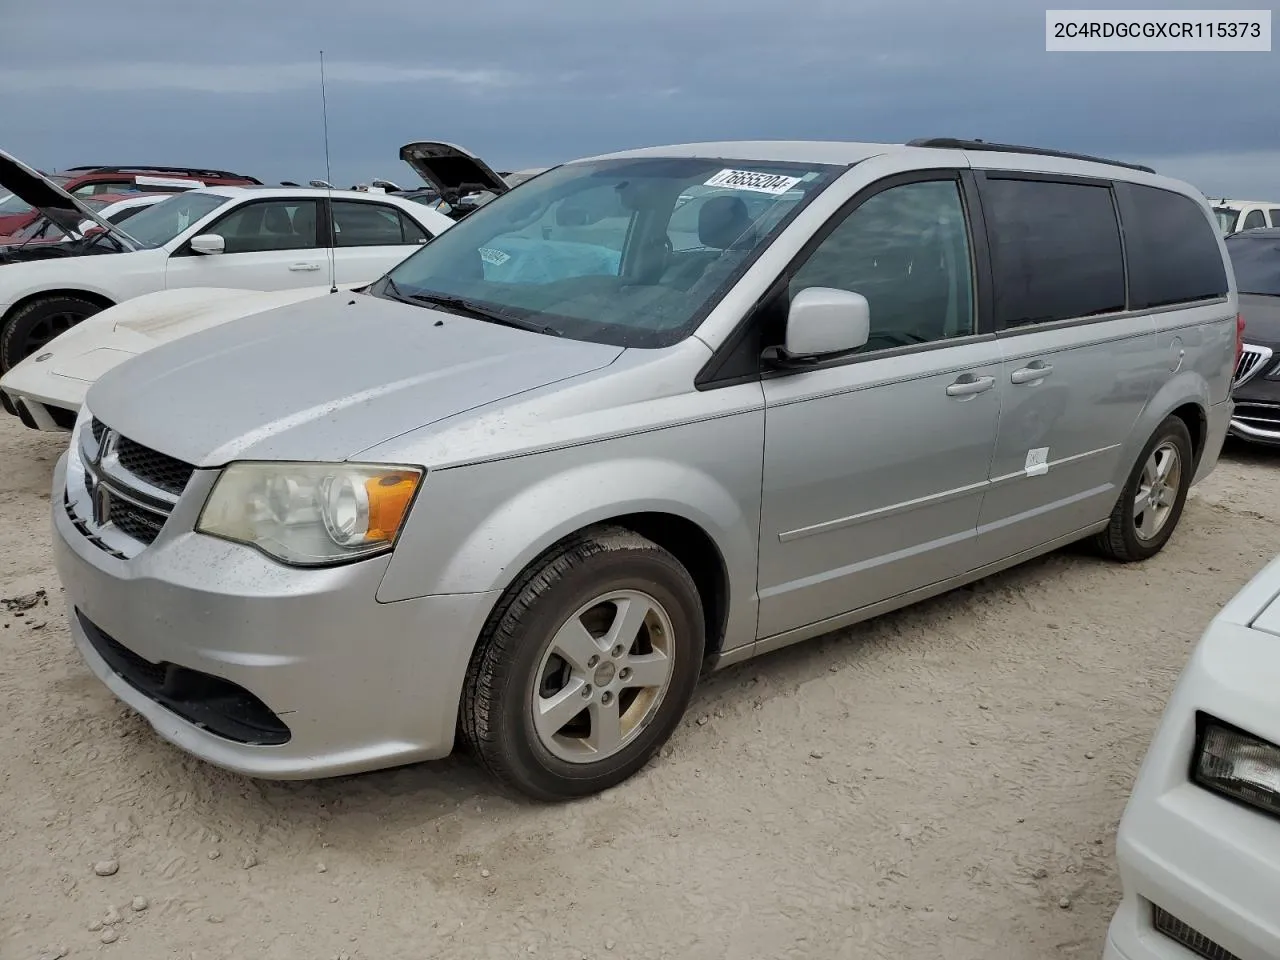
{"x":1212,"y":864}
{"x":358,"y":684}
{"x":1257,"y":413}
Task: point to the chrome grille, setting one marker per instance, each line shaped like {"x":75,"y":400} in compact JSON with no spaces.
{"x":1192,"y":939}
{"x":1252,"y":360}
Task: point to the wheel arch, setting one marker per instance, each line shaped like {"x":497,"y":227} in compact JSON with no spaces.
{"x":683,"y":510}
{"x":79,"y":293}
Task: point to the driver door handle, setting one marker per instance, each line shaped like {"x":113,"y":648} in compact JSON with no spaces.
{"x":304,"y":266}
{"x":1032,"y":373}
{"x":970,"y":386}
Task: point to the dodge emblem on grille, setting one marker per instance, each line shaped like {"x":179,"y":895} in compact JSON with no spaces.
{"x":101,"y":498}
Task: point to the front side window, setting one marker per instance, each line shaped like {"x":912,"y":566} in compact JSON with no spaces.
{"x":1256,"y":263}
{"x":1254,"y":219}
{"x":604,"y":250}
{"x":269,"y":225}
{"x":1174,"y":256}
{"x":159,"y":223}
{"x":906,"y":249}
{"x":1055,"y":250}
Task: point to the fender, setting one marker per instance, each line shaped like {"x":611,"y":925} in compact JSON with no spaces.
{"x":494,"y":519}
{"x":1187,"y":387}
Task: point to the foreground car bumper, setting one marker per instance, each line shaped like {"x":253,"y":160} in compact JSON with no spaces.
{"x":1211,"y":864}
{"x":263,"y":669}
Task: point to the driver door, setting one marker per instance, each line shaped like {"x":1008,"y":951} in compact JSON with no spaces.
{"x":875,"y":464}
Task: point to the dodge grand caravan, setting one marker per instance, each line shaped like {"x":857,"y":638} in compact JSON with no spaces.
{"x":529,"y":484}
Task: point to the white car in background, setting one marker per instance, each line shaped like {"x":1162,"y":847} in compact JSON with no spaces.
{"x":45,"y":391}
{"x":1199,"y":843}
{"x":115,"y":211}
{"x":1236,"y":215}
{"x":246,"y":237}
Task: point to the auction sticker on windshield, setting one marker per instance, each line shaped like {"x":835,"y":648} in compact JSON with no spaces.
{"x":750,"y":180}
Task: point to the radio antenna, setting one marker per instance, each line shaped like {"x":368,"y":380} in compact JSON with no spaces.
{"x":328,"y":179}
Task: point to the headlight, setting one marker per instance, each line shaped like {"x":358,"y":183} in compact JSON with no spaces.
{"x":311,"y":514}
{"x":1238,"y":765}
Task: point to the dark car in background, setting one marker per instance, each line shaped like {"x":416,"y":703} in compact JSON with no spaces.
{"x":1255,"y":256}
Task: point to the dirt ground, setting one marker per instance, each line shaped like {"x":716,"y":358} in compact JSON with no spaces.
{"x":945,"y":781}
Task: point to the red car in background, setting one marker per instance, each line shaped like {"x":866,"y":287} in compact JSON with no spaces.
{"x":86,"y":182}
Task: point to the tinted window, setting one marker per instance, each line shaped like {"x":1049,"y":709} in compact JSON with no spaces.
{"x":1253,"y":219}
{"x":269,"y":225}
{"x":1055,"y":250}
{"x":366,"y":225}
{"x":906,"y":250}
{"x":1274,"y":214}
{"x":1256,"y":262}
{"x":412,"y":230}
{"x":1173,"y":253}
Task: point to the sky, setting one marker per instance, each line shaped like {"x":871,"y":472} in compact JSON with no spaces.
{"x":236,"y":84}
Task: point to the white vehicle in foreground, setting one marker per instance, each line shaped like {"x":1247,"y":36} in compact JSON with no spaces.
{"x":45,"y":391}
{"x":260,"y":238}
{"x":1199,"y":843}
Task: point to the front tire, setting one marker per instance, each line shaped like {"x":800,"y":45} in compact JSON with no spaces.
{"x":1151,"y":502}
{"x":585,"y":667}
{"x":32,"y":326}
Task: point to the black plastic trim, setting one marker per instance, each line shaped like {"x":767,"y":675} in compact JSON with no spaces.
{"x":953,"y":143}
{"x":219,"y":706}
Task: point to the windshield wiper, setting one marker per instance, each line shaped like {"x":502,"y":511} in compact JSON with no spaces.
{"x":469,"y":308}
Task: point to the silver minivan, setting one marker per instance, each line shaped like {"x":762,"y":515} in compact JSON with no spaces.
{"x":531,"y":483}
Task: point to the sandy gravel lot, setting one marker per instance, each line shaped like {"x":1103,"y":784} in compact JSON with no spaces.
{"x":932,"y":784}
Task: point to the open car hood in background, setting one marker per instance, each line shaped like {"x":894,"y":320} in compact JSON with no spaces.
{"x":451,"y":169}
{"x":50,"y":199}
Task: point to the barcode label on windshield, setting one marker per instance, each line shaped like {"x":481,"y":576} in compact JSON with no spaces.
{"x":749,"y":180}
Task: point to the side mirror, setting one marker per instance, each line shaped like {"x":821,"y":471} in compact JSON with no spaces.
{"x":208,"y":243}
{"x":824,"y":321}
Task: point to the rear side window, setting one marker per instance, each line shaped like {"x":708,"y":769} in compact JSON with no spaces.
{"x":1055,"y":250}
{"x":1173,"y":253}
{"x":1274,"y":213}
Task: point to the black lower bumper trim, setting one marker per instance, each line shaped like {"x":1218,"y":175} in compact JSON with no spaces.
{"x":211,"y":703}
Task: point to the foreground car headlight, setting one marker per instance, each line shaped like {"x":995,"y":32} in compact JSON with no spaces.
{"x":1237,"y":765}
{"x":311,"y":514}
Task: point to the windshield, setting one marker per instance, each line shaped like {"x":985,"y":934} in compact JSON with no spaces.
{"x":159,"y":223}
{"x":632,"y":252}
{"x":1226,"y":218}
{"x":1256,"y":261}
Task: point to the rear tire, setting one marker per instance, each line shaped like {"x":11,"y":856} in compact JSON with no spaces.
{"x":1151,"y":502}
{"x":585,"y":667}
{"x":33,"y":325}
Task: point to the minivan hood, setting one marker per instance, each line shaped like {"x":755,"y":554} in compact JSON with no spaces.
{"x":50,"y":199}
{"x":1261,"y":318}
{"x":452,"y":170}
{"x":325,"y":379}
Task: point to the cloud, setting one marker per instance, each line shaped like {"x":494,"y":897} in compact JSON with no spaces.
{"x":231,"y":78}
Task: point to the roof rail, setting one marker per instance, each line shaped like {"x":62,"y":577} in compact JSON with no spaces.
{"x":951,"y":143}
{"x":157,"y":168}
